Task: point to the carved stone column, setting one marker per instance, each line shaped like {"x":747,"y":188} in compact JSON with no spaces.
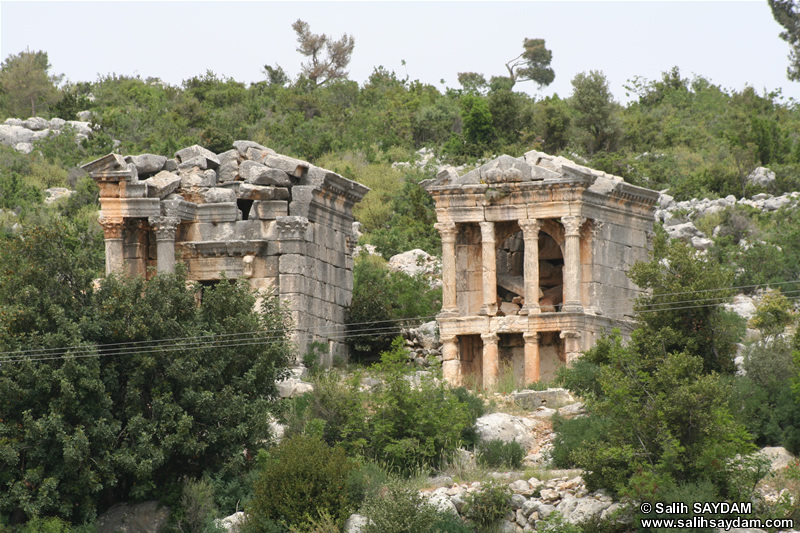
{"x":165,"y":228}
{"x":489,"y":277}
{"x":447,"y":230}
{"x":491,"y":360}
{"x":530,"y":234}
{"x":572,"y":346}
{"x":112,"y":233}
{"x":572,"y":264}
{"x":532,"y":361}
{"x":451,"y":360}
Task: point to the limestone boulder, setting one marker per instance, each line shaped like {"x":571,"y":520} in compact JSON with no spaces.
{"x":356,"y":523}
{"x":13,"y":135}
{"x":293,"y":167}
{"x":259,"y":174}
{"x":218,"y":195}
{"x":415,"y":262}
{"x":761,"y":176}
{"x":146,"y":517}
{"x":162,"y":184}
{"x":778,"y":457}
{"x":147,"y":163}
{"x":56,"y":123}
{"x":56,"y":193}
{"x":242,"y":146}
{"x":80,"y":126}
{"x":577,"y":510}
{"x":552,"y":398}
{"x":507,"y":428}
{"x":291,"y":387}
{"x":742,"y":305}
{"x":23,"y":148}
{"x":36,"y":123}
{"x":212,"y":161}
{"x":232,"y":523}
{"x":196,"y":178}
{"x":193,"y":163}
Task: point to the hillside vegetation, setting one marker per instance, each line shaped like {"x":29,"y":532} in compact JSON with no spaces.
{"x":106,"y":395}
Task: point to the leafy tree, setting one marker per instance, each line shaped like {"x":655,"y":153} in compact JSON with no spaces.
{"x":101,"y":407}
{"x":533,"y":64}
{"x":683,"y":311}
{"x":787,"y":14}
{"x":596,"y":111}
{"x":477,"y":119}
{"x":323,"y":69}
{"x":26,"y":82}
{"x":472,"y":82}
{"x":276,"y":76}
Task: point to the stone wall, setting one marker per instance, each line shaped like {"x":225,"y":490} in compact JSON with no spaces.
{"x":279,"y":222}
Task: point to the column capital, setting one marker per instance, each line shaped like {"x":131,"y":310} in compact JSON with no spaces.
{"x":572,"y":225}
{"x":490,"y":338}
{"x":530,"y":228}
{"x":448,"y":339}
{"x":165,"y":227}
{"x":570,"y":335}
{"x":595,"y":227}
{"x":447,"y":230}
{"x":530,"y":336}
{"x":112,"y":227}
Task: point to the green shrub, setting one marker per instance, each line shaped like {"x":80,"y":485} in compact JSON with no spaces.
{"x":197,"y":507}
{"x":413,"y":425}
{"x":572,"y":434}
{"x":301,"y":474}
{"x":404,"y":510}
{"x":555,"y":523}
{"x":496,"y":453}
{"x":489,"y":504}
{"x":476,"y":409}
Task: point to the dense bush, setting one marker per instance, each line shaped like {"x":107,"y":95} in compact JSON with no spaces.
{"x":382,"y":301}
{"x":497,"y":453}
{"x":489,"y":504}
{"x":301,"y":475}
{"x":103,"y":411}
{"x":403,"y":510}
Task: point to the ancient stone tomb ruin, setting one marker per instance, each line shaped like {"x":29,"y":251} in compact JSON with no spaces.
{"x":281,"y":223}
{"x":535,"y":252}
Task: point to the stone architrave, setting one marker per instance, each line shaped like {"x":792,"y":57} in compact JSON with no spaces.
{"x":571,"y":345}
{"x":530,"y":234}
{"x":447,"y":230}
{"x":451,"y":363}
{"x":491,"y":360}
{"x":531,"y":354}
{"x":112,"y":233}
{"x":165,"y":228}
{"x":489,"y":277}
{"x":572,"y":263}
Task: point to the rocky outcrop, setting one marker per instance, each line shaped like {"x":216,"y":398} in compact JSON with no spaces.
{"x":21,"y":134}
{"x":146,"y":517}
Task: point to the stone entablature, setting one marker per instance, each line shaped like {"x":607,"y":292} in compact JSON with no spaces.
{"x":535,"y":252}
{"x":281,"y":223}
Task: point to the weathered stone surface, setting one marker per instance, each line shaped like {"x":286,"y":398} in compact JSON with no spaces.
{"x":162,"y":184}
{"x":56,"y":193}
{"x":761,"y":176}
{"x":192,"y":163}
{"x":242,"y":147}
{"x":147,"y":163}
{"x":216,"y":195}
{"x":259,"y":174}
{"x":13,"y":135}
{"x":293,"y":167}
{"x":355,"y":523}
{"x":507,"y":428}
{"x":211,"y":159}
{"x":415,"y":262}
{"x":778,"y":456}
{"x":146,"y":517}
{"x":553,"y":398}
{"x":36,"y":124}
{"x":207,"y":178}
{"x":23,"y":148}
{"x":232,"y":523}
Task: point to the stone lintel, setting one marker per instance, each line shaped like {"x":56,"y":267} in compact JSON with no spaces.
{"x":221,"y":212}
{"x":179,"y":208}
{"x":130,"y":207}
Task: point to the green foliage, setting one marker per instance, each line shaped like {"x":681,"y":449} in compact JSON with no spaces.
{"x":644,"y":400}
{"x":476,"y":409}
{"x":785,"y":13}
{"x":572,"y":434}
{"x":27,"y":86}
{"x":555,"y":523}
{"x":478,"y":128}
{"x":382,"y":299}
{"x":301,"y":474}
{"x":128,"y":421}
{"x":413,"y":425}
{"x":773,"y":314}
{"x":596,"y":111}
{"x":489,"y":504}
{"x":403,"y":510}
{"x":197,"y":507}
{"x":497,"y":453}
{"x":682,"y":312}
{"x":533,"y":64}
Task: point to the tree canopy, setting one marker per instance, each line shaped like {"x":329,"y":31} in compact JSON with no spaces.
{"x":328,"y":58}
{"x":787,"y":14}
{"x":27,"y":83}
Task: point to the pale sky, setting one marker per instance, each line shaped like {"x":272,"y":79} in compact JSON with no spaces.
{"x":733,"y":44}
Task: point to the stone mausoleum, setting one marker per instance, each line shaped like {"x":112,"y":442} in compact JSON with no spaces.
{"x":535,"y":252}
{"x":279,"y":222}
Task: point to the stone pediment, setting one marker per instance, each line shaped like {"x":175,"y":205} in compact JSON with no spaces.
{"x":111,"y":167}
